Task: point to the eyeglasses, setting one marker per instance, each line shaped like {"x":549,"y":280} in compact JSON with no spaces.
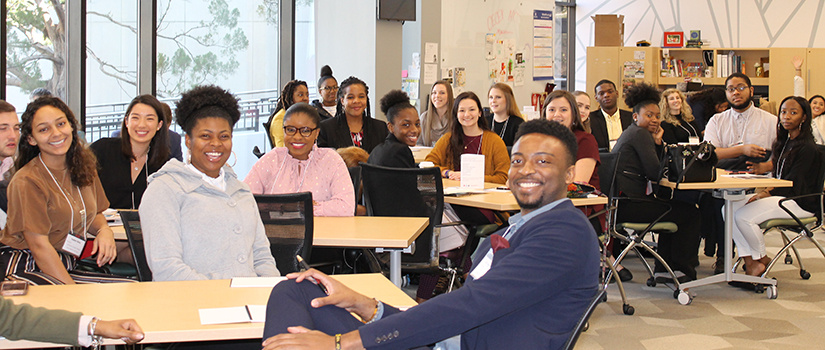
{"x":329,"y":88}
{"x":741,"y":88}
{"x":305,"y":131}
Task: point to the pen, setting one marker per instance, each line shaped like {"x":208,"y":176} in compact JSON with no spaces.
{"x":305,"y":266}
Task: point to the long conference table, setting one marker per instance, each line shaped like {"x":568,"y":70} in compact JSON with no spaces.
{"x":393,"y":234}
{"x":730,"y":189}
{"x":168,"y":311}
{"x":501,"y":200}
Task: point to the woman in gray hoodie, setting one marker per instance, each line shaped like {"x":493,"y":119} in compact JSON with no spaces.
{"x":199,"y":221}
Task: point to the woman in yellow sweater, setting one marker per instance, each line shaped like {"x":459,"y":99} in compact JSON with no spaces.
{"x":470,"y":135}
{"x":293,"y":92}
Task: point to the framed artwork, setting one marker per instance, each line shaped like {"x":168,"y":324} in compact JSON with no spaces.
{"x":674,"y":39}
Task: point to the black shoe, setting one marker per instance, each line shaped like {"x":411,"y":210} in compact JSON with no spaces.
{"x":719,"y":266}
{"x":744,"y":285}
{"x":625,"y":275}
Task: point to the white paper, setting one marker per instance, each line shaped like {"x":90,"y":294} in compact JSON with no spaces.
{"x":255,"y":282}
{"x":472,"y":171}
{"x":237,"y":314}
{"x":639,"y":55}
{"x":430,"y":52}
{"x":430,"y":73}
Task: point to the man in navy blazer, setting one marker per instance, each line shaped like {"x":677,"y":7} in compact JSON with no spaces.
{"x":608,"y":97}
{"x":527,"y":288}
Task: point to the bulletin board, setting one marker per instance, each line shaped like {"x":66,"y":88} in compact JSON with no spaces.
{"x":485,"y":42}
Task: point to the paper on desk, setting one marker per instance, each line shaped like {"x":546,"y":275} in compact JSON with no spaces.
{"x":472,"y":171}
{"x":237,"y":314}
{"x":747,"y":176}
{"x":455,"y":190}
{"x":252,"y":282}
{"x":112,"y":217}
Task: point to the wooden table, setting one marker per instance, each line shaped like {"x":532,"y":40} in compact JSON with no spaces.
{"x":168,"y":311}
{"x":730,"y":189}
{"x":502,"y":200}
{"x":390,"y":233}
{"x":420,"y":153}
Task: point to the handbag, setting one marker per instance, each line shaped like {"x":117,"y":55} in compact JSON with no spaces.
{"x":690,"y":163}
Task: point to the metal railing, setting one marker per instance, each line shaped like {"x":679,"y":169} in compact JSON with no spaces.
{"x":103,"y":119}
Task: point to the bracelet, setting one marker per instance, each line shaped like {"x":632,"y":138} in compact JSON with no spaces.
{"x":374,"y":312}
{"x":96,"y":339}
{"x":338,"y":341}
{"x":446,"y":173}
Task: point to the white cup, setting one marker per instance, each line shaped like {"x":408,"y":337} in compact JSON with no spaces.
{"x":426,"y":165}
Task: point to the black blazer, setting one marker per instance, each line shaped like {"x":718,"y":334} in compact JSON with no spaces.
{"x":392,"y":153}
{"x":598,"y":126}
{"x":321,"y":110}
{"x":335,"y":133}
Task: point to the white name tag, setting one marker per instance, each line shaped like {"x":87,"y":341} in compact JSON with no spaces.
{"x":483,"y":266}
{"x":73,"y":245}
{"x":693,"y":140}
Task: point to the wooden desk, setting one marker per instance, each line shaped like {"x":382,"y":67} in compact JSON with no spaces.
{"x":420,"y":153}
{"x":168,"y":311}
{"x":730,"y":189}
{"x":502,"y":200}
{"x":393,"y":233}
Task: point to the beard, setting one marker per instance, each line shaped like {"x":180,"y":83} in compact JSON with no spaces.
{"x":742,"y":105}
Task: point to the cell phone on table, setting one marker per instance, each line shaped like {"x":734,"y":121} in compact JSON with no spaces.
{"x":13,"y":288}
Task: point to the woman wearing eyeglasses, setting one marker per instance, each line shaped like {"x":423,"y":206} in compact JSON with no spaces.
{"x":327,"y":89}
{"x":301,"y":166}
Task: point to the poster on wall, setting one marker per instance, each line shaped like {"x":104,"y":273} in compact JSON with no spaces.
{"x":542,"y":45}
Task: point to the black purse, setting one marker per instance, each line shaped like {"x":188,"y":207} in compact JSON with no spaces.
{"x":690,"y":163}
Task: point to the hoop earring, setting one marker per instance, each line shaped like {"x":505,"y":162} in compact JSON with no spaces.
{"x":234,"y":161}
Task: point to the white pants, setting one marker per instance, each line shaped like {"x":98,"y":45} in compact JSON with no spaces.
{"x":746,"y":232}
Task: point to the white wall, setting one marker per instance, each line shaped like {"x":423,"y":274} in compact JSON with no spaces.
{"x":724,"y":23}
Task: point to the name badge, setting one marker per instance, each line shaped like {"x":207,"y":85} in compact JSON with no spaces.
{"x":612,"y":144}
{"x":73,"y":245}
{"x":693,"y":140}
{"x":483,"y":266}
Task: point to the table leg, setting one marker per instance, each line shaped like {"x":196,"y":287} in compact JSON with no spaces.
{"x":730,"y":195}
{"x":395,"y":267}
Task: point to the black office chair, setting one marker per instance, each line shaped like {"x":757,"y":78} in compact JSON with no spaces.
{"x":633,"y":233}
{"x":582,"y":325}
{"x":131,"y":224}
{"x":801,"y":226}
{"x":257,"y":152}
{"x":288,"y":222}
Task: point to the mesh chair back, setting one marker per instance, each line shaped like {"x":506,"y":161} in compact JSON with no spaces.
{"x":607,"y":172}
{"x":134,"y":234}
{"x":407,"y":192}
{"x":355,"y":175}
{"x":821,"y":181}
{"x":288,"y":222}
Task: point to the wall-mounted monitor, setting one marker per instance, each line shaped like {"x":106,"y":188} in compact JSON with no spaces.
{"x":396,"y":10}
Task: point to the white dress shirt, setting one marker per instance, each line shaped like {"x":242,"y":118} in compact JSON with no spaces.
{"x":731,"y":128}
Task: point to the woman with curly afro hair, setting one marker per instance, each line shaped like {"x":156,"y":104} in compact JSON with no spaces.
{"x":640,"y":147}
{"x":199,"y":221}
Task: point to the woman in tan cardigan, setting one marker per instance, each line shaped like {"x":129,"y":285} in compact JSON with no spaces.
{"x":470,"y":135}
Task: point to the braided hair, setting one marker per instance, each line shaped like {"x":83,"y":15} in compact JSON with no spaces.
{"x":287,"y":94}
{"x":343,"y":87}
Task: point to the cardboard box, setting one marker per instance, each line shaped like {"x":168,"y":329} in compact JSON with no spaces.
{"x":609,"y":30}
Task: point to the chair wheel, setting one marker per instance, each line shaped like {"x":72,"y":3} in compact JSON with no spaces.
{"x":771,"y":292}
{"x":586,"y":327}
{"x":676,"y":294}
{"x":804,"y":274}
{"x":651,"y":282}
{"x":604,"y":298}
{"x":684,"y":298}
{"x":628,"y":310}
{"x":788,"y":260}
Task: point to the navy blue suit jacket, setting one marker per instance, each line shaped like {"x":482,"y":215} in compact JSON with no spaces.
{"x":531,"y":298}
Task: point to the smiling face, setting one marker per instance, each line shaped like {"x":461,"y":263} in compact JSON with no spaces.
{"x":354,"y":100}
{"x":300,"y":146}
{"x":438,"y":96}
{"x":559,"y":111}
{"x":648,"y":117}
{"x":738,"y":93}
{"x":328,"y":90}
{"x":583,"y":103}
{"x":497,"y":101}
{"x":301,"y":94}
{"x":818,"y":106}
{"x":791,"y":116}
{"x":540,"y":170}
{"x":674,"y":103}
{"x":607,"y":96}
{"x":210,"y":144}
{"x":9,"y":134}
{"x":468,"y":113}
{"x":406,"y":127}
{"x":51,"y":133}
{"x":142,"y":123}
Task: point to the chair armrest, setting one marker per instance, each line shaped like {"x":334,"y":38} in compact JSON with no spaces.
{"x":645,"y":200}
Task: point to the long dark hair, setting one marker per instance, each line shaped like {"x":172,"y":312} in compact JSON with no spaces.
{"x":457,"y":135}
{"x":576,"y":123}
{"x":782,"y":136}
{"x":287,"y":98}
{"x":159,"y":146}
{"x":80,"y":161}
{"x":339,"y":108}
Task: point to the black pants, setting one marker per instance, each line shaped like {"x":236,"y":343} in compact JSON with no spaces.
{"x":678,"y":249}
